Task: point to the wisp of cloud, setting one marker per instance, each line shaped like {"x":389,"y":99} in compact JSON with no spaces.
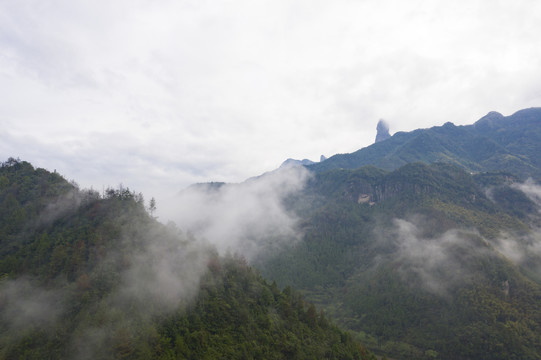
{"x":244,"y":218}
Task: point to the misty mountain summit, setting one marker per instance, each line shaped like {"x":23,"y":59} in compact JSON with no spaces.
{"x":294,"y":162}
{"x":304,"y":162}
{"x":383,"y":131}
{"x":488,"y":121}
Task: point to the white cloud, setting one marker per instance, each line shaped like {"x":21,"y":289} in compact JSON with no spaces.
{"x":248,"y":218}
{"x":436,"y":264}
{"x":524,"y":249}
{"x":162,"y":94}
{"x":25,"y":305}
{"x":531,"y":189}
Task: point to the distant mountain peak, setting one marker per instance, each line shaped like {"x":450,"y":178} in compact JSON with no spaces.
{"x":488,"y":120}
{"x":293,"y":162}
{"x":492,"y":115}
{"x":304,"y":162}
{"x":493,"y":143}
{"x":383,"y":131}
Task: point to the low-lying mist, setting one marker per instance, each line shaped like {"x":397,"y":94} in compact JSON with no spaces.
{"x":24,"y":303}
{"x":159,"y":275}
{"x":439,"y":263}
{"x":436,"y":264}
{"x":148,"y":269}
{"x":532,"y":191}
{"x":524,"y":249}
{"x":154,"y":269}
{"x":247,"y":218}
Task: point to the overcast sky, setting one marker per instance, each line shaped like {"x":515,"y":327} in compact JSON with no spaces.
{"x":157,"y":95}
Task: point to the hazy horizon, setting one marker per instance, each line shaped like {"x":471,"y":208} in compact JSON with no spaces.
{"x":158,"y":96}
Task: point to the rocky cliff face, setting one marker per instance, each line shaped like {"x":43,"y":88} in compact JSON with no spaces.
{"x":409,"y":182}
{"x":383,"y":131}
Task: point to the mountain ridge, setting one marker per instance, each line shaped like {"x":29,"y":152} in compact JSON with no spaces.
{"x":494,"y":142}
{"x":428,"y":249}
{"x":406,"y":241}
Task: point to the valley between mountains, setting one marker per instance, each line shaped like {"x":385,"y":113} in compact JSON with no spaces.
{"x":424,"y":245}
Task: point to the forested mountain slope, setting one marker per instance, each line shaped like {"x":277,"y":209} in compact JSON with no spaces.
{"x":85,"y":275}
{"x":494,"y":143}
{"x":426,"y":245}
{"x":427,"y":261}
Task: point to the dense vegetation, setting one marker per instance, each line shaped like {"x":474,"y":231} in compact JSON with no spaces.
{"x":425,"y":245}
{"x":87,"y":275}
{"x":412,"y":260}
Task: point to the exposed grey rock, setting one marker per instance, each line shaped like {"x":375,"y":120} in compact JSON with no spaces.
{"x":383,"y":131}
